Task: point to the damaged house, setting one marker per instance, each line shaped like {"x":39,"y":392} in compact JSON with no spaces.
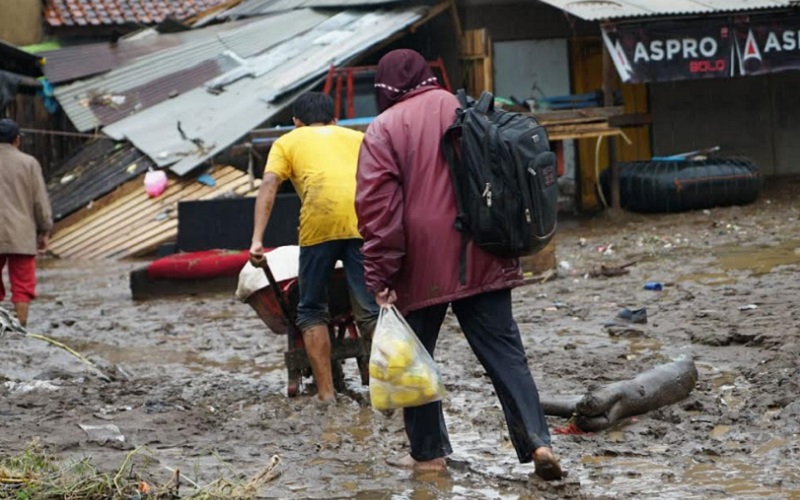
{"x":177,"y":99}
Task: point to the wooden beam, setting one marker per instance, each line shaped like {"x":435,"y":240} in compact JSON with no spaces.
{"x":609,"y":79}
{"x":457,"y":25}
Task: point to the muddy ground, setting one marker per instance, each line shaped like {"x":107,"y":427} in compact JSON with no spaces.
{"x":206,"y":387}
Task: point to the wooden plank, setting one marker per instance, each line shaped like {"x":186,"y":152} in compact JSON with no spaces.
{"x":154,"y":236}
{"x":133,"y":211}
{"x":136,"y":197}
{"x":128,"y":212}
{"x":127,"y":189}
{"x":584,"y":115}
{"x":146,"y":220}
{"x":457,"y":25}
{"x":612,"y":132}
{"x":152,"y":244}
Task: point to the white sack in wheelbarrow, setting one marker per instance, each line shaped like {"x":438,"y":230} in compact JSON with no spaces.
{"x":284,"y":263}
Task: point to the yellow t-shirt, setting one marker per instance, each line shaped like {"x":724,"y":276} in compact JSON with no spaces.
{"x":321,"y":162}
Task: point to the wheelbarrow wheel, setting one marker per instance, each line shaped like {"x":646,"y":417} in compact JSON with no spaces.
{"x":293,"y":385}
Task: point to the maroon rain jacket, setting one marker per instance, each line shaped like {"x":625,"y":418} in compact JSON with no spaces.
{"x":406,"y":209}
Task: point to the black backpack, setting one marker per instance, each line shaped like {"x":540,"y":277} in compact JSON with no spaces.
{"x":505,"y":179}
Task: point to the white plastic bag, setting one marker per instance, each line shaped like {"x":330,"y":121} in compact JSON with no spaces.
{"x":402,"y":373}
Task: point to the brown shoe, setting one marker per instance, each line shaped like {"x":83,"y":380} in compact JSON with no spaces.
{"x":547,"y":466}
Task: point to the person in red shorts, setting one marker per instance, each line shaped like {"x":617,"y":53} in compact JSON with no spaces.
{"x":25,"y":219}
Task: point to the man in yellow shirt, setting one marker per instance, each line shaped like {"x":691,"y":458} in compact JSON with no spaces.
{"x":320,"y":159}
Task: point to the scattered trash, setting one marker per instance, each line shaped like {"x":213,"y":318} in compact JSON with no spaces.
{"x":633,"y":315}
{"x":610,"y":271}
{"x":748,"y":307}
{"x":144,"y":488}
{"x":653,"y":286}
{"x":102,"y":434}
{"x":569,"y":429}
{"x":566,"y":266}
{"x":67,"y":179}
{"x":623,"y":331}
{"x":132,"y":168}
{"x":26,"y":387}
{"x":582,"y":242}
{"x":207,"y":180}
{"x":605,"y":249}
{"x":155,"y":182}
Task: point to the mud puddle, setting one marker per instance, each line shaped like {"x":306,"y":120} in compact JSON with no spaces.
{"x":759,"y":259}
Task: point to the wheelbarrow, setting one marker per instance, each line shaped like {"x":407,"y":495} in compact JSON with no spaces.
{"x":276,"y":305}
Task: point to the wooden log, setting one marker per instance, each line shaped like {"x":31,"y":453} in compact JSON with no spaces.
{"x":602,"y":408}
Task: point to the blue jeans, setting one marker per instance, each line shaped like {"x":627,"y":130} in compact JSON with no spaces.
{"x":317,"y":263}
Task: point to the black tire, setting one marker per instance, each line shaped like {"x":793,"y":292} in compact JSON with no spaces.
{"x":678,"y":186}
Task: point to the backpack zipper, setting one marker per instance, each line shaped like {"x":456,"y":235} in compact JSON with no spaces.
{"x":487,"y":194}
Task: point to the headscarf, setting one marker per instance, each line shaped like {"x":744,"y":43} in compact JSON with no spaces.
{"x":399,"y":72}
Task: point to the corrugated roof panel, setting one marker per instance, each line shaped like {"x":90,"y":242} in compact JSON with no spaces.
{"x":77,"y":98}
{"x":250,"y":8}
{"x":220,"y":120}
{"x":96,"y":170}
{"x":595,"y":10}
{"x":89,"y":59}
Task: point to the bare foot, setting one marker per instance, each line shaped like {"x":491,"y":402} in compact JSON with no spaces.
{"x":408,"y":462}
{"x":547,"y":466}
{"x":324,"y":402}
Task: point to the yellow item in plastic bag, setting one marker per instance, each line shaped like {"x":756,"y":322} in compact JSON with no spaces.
{"x":378,"y":372}
{"x":419,"y":377}
{"x":399,"y":353}
{"x":431,"y":390}
{"x":407,"y":397}
{"x":379,"y":397}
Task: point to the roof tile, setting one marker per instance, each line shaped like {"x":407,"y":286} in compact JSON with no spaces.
{"x":110,"y":12}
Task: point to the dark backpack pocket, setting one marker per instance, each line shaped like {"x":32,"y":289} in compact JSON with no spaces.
{"x":543,"y":189}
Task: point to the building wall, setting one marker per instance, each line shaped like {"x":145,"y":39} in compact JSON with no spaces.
{"x":21,"y":21}
{"x":756,"y":116}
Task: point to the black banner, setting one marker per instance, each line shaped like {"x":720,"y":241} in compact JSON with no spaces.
{"x":671,"y":50}
{"x":768,"y":45}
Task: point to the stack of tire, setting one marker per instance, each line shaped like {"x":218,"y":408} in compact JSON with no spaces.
{"x":681,"y":185}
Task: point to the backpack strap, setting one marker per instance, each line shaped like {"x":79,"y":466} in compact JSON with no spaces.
{"x":463,"y":100}
{"x":462,"y":219}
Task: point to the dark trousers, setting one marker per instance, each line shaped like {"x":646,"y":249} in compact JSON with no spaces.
{"x":317,"y":263}
{"x":493,"y":335}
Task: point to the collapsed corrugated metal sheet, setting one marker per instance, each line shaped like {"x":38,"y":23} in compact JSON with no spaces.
{"x":75,"y":62}
{"x":250,"y":8}
{"x":129,"y":87}
{"x":213,"y":121}
{"x":96,"y":170}
{"x":132,"y":224}
{"x":594,"y":10}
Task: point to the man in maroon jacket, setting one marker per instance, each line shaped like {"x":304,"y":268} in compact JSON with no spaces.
{"x":406,"y":208}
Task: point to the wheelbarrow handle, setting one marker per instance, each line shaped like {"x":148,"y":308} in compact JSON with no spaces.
{"x":278,"y":295}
